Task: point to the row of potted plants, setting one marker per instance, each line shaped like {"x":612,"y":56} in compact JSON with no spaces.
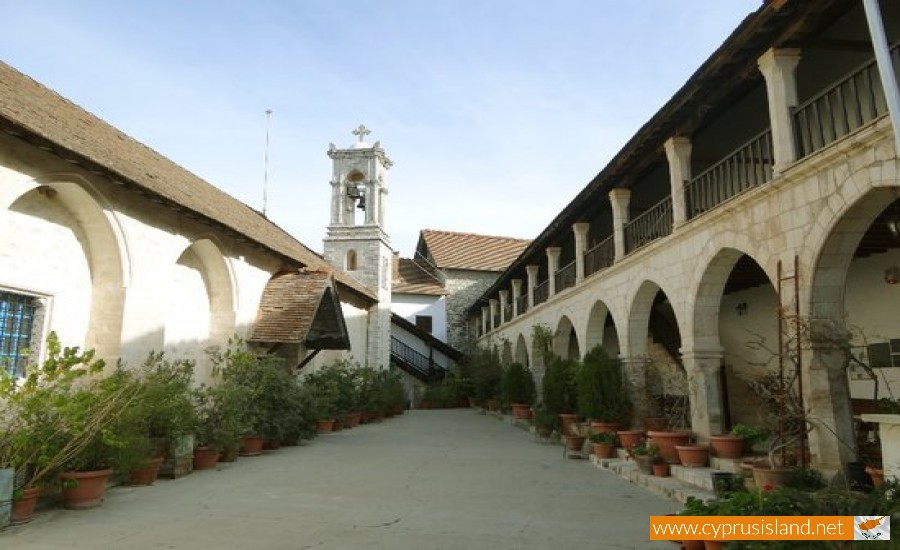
{"x":71,"y":423}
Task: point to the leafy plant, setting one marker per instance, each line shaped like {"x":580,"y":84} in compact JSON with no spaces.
{"x":601,"y":389}
{"x":608,"y":438}
{"x":517,"y":385}
{"x":753,"y":435}
{"x":544,"y":420}
{"x":559,"y":390}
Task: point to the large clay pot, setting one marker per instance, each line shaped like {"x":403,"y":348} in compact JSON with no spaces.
{"x":565,"y":422}
{"x":629,"y":438}
{"x":661,"y":469}
{"x":84,"y":489}
{"x":206,"y":458}
{"x":575,"y":442}
{"x":693,"y":456}
{"x":666,"y":441}
{"x":148,"y":474}
{"x":727,"y":446}
{"x":521,"y":411}
{"x":324,"y":426}
{"x":23,"y":508}
{"x":770,"y":478}
{"x":603,"y":450}
{"x":251,"y":445}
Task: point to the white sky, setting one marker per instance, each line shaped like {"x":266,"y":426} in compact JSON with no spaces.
{"x":495,"y":112}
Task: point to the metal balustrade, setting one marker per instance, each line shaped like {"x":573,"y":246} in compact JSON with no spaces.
{"x":750,"y":165}
{"x":565,"y":277}
{"x":654,"y":223}
{"x":851,"y":103}
{"x":600,"y":256}
{"x":541,"y":292}
{"x":508,"y":312}
{"x":412,"y":358}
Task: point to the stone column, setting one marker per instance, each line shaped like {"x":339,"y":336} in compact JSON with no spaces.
{"x":372,"y":203}
{"x":777,"y":66}
{"x":485,"y":312}
{"x":552,"y":267}
{"x":704,"y":391}
{"x":826,"y":395}
{"x":619,"y":198}
{"x":634,"y":370}
{"x":493,"y":313}
{"x":678,"y":152}
{"x":580,"y":230}
{"x":516,"y":292}
{"x":532,"y":271}
{"x":504,"y":297}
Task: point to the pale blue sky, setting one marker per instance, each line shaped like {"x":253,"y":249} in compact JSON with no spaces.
{"x":495,"y":112}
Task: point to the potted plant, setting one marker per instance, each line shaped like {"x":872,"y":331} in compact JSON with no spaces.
{"x":575,"y":437}
{"x":219,"y":425}
{"x":601,"y":392}
{"x":659,"y":466}
{"x":736,"y":443}
{"x":784,"y":416}
{"x":559,"y":390}
{"x":676,"y":407}
{"x":693,"y":456}
{"x":644,"y":456}
{"x":544,"y":422}
{"x":518,"y":390}
{"x":603,"y":444}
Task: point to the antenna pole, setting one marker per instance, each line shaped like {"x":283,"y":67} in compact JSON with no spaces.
{"x":266,"y":163}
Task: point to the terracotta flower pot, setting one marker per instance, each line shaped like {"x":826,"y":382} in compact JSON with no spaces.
{"x":23,"y":508}
{"x":661,"y":469}
{"x":575,"y":442}
{"x":83,"y":490}
{"x":324,"y":426}
{"x":767,"y":478}
{"x":521,"y":411}
{"x":666,"y":441}
{"x":337,"y":424}
{"x":877,"y":475}
{"x":629,"y":438}
{"x":251,"y":445}
{"x":727,"y":446}
{"x":271,"y":445}
{"x":565,"y":422}
{"x":605,"y":427}
{"x":603,"y":450}
{"x":693,"y":456}
{"x":205,"y":458}
{"x":146,"y":475}
{"x":644,"y":463}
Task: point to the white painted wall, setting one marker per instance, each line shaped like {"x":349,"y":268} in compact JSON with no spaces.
{"x":417,"y":344}
{"x":410,"y":305}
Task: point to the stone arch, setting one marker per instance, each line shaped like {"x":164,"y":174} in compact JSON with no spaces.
{"x":202,"y":303}
{"x":521,"y":352}
{"x":70,"y":203}
{"x":350,"y":261}
{"x":601,"y":329}
{"x":565,"y":339}
{"x":639,"y":318}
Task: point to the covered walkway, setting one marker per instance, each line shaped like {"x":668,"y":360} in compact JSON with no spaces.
{"x":425,"y":480}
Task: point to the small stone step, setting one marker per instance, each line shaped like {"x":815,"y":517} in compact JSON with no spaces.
{"x":670,"y":487}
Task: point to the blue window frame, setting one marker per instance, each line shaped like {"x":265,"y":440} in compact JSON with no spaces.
{"x":16,"y":323}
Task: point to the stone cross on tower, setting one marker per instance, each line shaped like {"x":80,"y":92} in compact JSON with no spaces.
{"x":361,"y":132}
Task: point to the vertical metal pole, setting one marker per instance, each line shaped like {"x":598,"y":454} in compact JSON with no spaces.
{"x":780,"y":312}
{"x":799,"y":363}
{"x":885,"y":67}
{"x":266,"y":163}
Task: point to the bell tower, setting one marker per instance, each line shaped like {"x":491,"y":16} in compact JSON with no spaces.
{"x":356,"y":240}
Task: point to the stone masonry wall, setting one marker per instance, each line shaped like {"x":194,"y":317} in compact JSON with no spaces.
{"x":464,"y":288}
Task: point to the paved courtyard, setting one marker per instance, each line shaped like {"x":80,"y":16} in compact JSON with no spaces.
{"x":426,"y":480}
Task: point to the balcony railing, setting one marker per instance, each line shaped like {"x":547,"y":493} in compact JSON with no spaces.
{"x":565,"y":277}
{"x":507,"y":313}
{"x":522,"y":303}
{"x":496,"y":319}
{"x":542,"y":292}
{"x":654,"y":223}
{"x":747,"y":167}
{"x":853,"y":102}
{"x":600,"y":256}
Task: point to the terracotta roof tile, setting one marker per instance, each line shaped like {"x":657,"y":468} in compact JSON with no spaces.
{"x":416,"y":278}
{"x":291,"y":304}
{"x":28,"y":105}
{"x":453,"y":250}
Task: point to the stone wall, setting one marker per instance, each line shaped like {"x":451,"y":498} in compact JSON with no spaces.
{"x":464,"y":287}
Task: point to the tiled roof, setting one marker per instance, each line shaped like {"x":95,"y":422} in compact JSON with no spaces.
{"x":452,"y":250}
{"x":37,"y":114}
{"x":300,"y":307}
{"x":416,"y":277}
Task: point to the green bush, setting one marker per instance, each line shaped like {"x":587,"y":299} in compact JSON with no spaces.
{"x":559,"y":389}
{"x":517,"y":385}
{"x":601,"y":389}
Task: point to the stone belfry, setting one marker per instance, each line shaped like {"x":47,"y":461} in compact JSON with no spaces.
{"x":357,"y":240}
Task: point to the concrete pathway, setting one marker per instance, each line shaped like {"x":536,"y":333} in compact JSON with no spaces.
{"x":426,"y":480}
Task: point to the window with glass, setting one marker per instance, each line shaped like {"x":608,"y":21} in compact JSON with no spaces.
{"x":16,"y":324}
